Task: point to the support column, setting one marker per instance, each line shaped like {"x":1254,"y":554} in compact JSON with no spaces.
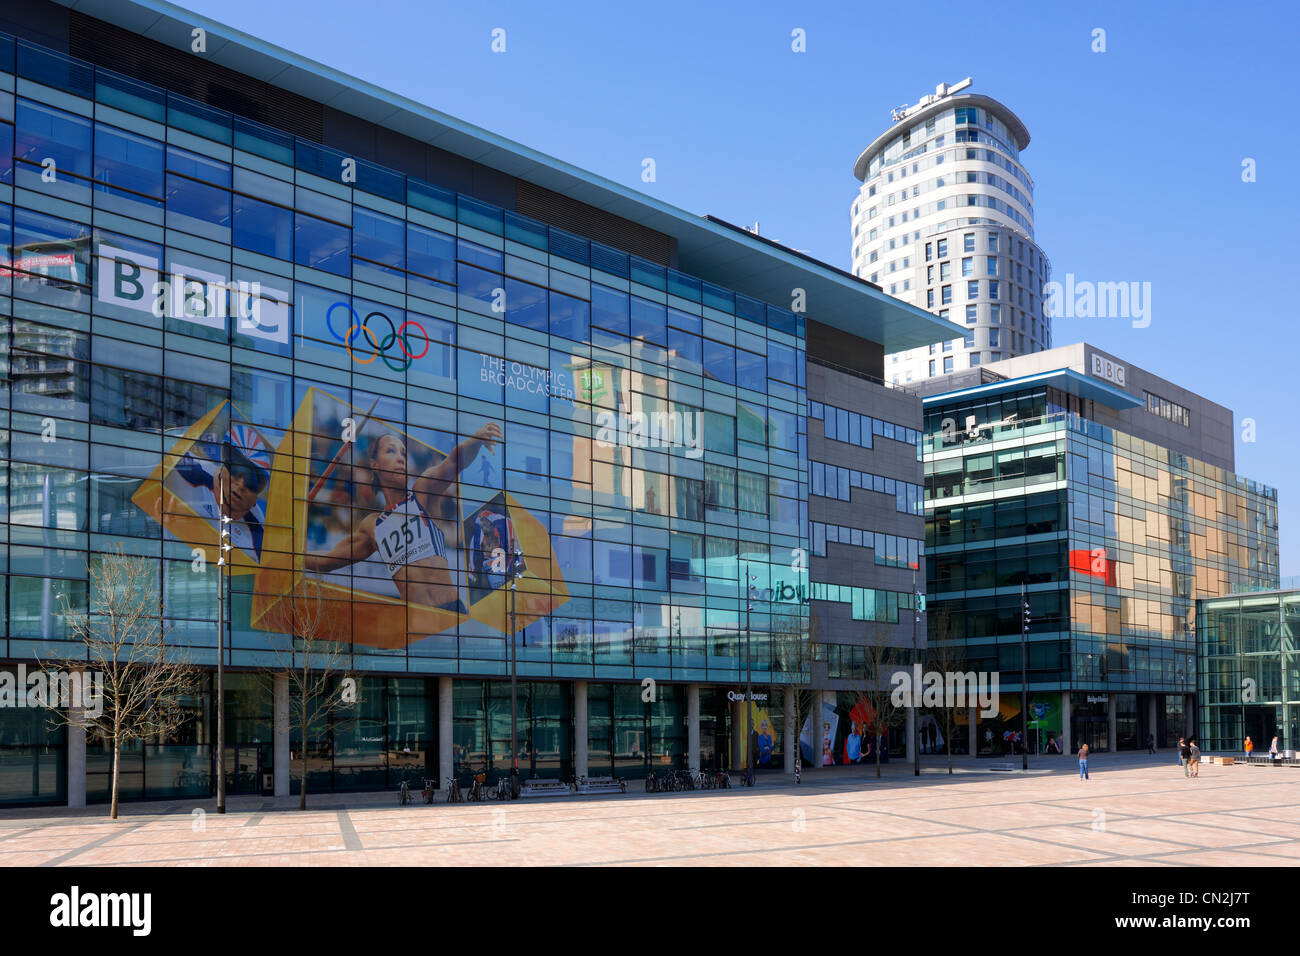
{"x":580,"y":728}
{"x":693,"y":726}
{"x":972,"y":719}
{"x":1189,"y":708}
{"x":1112,"y":712}
{"x":76,"y":759}
{"x":1151,"y":720}
{"x":280,"y":756}
{"x":1067,"y":742}
{"x":790,"y":731}
{"x":446,"y":736}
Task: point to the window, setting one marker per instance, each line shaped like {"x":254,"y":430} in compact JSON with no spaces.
{"x":993,"y":289}
{"x":968,"y":266}
{"x":945,"y":294}
{"x":968,"y":242}
{"x":262,"y":227}
{"x":973,"y":289}
{"x":947,"y":346}
{"x":929,"y":298}
{"x":931,"y":366}
{"x":995,"y":314}
{"x":993,"y":265}
{"x":995,"y":336}
{"x":941,"y":248}
{"x":971,"y":313}
{"x":974,"y":359}
{"x":928,"y":250}
{"x":969,"y":340}
{"x":318,"y":243}
{"x":945,"y":271}
{"x":993,"y":242}
{"x":947,"y":364}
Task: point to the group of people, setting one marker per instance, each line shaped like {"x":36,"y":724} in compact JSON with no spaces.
{"x":1273,"y":752}
{"x":1189,"y":756}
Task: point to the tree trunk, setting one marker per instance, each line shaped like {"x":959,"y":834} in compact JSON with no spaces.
{"x":302,"y":790}
{"x":949,"y":723}
{"x":880,"y":742}
{"x":117,"y":769}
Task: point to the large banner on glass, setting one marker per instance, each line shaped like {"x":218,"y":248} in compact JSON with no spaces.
{"x":349,"y":507}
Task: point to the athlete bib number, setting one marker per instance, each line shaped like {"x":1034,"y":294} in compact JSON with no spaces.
{"x":402,"y":540}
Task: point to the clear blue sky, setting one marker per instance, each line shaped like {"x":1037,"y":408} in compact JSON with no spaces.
{"x":1136,"y":153}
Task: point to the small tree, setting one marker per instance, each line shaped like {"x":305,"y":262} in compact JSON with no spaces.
{"x":793,"y":639}
{"x":947,"y":656}
{"x":314,"y":658}
{"x":883,"y":659}
{"x":125,"y":640}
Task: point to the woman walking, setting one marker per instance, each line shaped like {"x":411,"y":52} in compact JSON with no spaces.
{"x":1185,"y":756}
{"x":1083,"y":762}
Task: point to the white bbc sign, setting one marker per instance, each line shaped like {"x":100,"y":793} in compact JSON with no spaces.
{"x":1103,"y":367}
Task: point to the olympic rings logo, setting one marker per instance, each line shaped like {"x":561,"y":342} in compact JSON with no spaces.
{"x":379,"y":347}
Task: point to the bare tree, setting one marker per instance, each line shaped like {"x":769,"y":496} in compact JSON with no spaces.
{"x":793,"y":639}
{"x":883,"y":659}
{"x":315,"y":657}
{"x":947,"y":656}
{"x":124,"y":637}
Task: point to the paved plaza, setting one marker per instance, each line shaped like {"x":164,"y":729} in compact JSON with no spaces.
{"x":1136,"y":810}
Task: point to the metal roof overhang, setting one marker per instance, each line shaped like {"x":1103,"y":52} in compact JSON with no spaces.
{"x":1065,"y":379}
{"x":706,"y":249}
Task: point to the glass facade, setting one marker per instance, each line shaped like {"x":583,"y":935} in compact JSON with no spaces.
{"x":1249,"y":677}
{"x":1112,"y":538}
{"x":407,"y":392}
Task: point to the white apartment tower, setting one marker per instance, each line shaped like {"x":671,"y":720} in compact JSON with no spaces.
{"x":944,"y":219}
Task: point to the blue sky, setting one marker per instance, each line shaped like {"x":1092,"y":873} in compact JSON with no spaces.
{"x":1136,"y":152}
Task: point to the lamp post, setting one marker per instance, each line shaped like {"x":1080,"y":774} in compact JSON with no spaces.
{"x":512,"y":575}
{"x":1024,"y":690}
{"x":918,"y":601}
{"x":223,"y":493}
{"x":749,"y":672}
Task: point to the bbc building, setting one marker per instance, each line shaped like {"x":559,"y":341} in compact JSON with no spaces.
{"x":425,"y":362}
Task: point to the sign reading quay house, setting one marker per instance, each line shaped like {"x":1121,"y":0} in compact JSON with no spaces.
{"x":134,"y":280}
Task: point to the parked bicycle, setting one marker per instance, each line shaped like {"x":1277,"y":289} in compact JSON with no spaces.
{"x":748,"y":779}
{"x":651,"y":782}
{"x":477,"y":789}
{"x":427,"y":793}
{"x":403,"y":794}
{"x":454,"y":794}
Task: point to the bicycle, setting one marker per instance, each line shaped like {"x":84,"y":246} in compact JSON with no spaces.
{"x":651,"y":782}
{"x":403,"y":794}
{"x":427,"y":793}
{"x":477,"y":791}
{"x":748,"y":779}
{"x":503,"y":789}
{"x":454,"y":794}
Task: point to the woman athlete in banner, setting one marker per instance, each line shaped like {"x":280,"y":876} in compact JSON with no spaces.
{"x":406,"y":537}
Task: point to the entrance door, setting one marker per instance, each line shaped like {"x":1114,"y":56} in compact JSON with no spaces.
{"x":243,"y":768}
{"x":1093,"y":731}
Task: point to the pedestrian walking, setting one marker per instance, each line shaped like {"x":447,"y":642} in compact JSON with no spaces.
{"x":1272,"y":751}
{"x":1083,"y":762}
{"x":1151,"y":743}
{"x":1249,"y":747}
{"x":1185,"y":756}
{"x":1196,"y":757}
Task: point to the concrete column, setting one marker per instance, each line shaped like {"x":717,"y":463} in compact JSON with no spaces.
{"x":972,"y":718}
{"x":280,"y":757}
{"x":910,"y":730}
{"x":1067,"y":742}
{"x":791,"y":732}
{"x":1112,"y":711}
{"x":446,"y":737}
{"x":76,"y":759}
{"x":1151,"y":719}
{"x":693,"y":726}
{"x":580,"y":728}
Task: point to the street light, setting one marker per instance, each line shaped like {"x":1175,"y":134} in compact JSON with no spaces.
{"x":1024,"y":691}
{"x":749,"y":672}
{"x":918,"y":602}
{"x":223,"y":493}
{"x":512,"y":575}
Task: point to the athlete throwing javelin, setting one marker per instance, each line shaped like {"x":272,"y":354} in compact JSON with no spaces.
{"x":406,"y":537}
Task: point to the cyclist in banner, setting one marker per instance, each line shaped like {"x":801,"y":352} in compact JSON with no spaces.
{"x":408,"y":535}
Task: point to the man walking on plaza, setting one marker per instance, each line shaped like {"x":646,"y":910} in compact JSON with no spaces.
{"x":1083,"y":762}
{"x":1185,"y":756}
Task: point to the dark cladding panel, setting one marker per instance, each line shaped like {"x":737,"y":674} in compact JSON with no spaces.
{"x":182,"y":72}
{"x":829,"y":344}
{"x":578,"y":217}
